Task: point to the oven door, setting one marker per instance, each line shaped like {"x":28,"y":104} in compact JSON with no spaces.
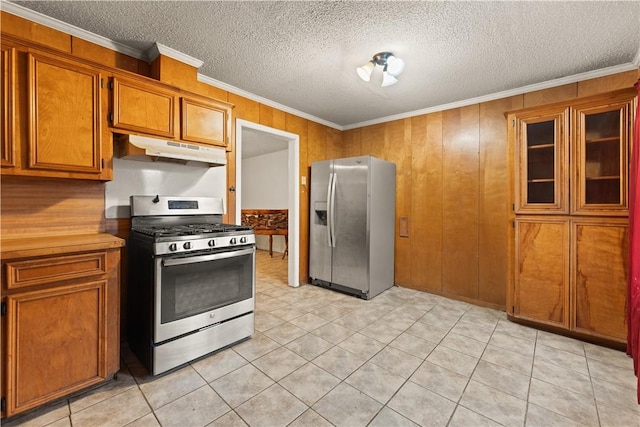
{"x":196,"y":291}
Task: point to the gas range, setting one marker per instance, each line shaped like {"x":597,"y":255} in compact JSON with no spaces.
{"x":178,"y":224}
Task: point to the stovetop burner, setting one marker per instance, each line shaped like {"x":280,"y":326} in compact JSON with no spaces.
{"x":189,"y":229}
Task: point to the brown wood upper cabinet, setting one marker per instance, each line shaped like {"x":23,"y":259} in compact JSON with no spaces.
{"x":7,"y":91}
{"x":585,"y":143}
{"x":542,"y":149}
{"x":601,"y":133}
{"x":207,"y":122}
{"x":144,"y":107}
{"x":64,"y":111}
{"x":52,"y":124}
{"x":151,"y":108}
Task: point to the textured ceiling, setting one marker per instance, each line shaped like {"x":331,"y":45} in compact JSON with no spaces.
{"x":303,"y":55}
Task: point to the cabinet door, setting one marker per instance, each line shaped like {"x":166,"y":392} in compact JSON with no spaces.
{"x":601,"y":157}
{"x":7,"y":90}
{"x":205,"y":122}
{"x":541,"y":159}
{"x":56,"y":343}
{"x":64,"y":114}
{"x":599,"y":252}
{"x":542,"y":270}
{"x":143,"y":107}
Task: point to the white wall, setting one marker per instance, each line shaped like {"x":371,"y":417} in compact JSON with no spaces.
{"x":265,"y":184}
{"x":133,"y":177}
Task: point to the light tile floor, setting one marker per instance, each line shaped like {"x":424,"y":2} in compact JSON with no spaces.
{"x":405,"y":358}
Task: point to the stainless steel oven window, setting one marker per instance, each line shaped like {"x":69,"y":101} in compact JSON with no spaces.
{"x":189,"y":287}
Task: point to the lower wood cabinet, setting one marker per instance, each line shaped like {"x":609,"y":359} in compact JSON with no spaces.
{"x":570,"y":273}
{"x":60,"y":325}
{"x":542,"y":271}
{"x":599,"y":258}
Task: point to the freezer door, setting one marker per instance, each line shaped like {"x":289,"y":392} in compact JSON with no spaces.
{"x":319,"y":244}
{"x":350,"y":223}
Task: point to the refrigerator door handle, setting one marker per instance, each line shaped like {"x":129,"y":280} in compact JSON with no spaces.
{"x":329,"y":210}
{"x":332,"y":210}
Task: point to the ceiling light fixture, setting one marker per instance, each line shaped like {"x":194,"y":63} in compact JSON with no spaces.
{"x":393,"y":66}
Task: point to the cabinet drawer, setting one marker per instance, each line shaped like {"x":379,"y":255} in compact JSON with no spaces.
{"x":46,"y":270}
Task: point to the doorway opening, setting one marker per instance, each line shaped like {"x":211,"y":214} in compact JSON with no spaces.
{"x":254,"y":140}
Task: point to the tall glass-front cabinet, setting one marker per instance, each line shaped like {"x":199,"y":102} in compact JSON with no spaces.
{"x":570,"y":215}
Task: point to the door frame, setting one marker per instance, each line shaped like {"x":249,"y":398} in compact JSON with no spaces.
{"x":293,"y":190}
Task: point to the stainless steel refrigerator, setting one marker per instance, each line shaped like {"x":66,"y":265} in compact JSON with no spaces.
{"x":352,"y":220}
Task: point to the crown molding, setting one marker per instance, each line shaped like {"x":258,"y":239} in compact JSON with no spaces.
{"x":504,"y":94}
{"x":224,"y":86}
{"x":56,"y":24}
{"x":160,"y":49}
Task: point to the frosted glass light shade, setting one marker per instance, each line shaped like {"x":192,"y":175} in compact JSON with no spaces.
{"x":365,"y":71}
{"x":395,"y":66}
{"x":388,"y":79}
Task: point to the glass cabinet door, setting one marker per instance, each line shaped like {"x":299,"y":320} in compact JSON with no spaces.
{"x":601,"y":158}
{"x":541,"y":157}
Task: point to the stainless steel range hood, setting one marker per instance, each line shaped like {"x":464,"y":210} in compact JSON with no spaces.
{"x":136,"y":147}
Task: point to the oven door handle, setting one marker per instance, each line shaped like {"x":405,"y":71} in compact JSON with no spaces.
{"x":201,"y":258}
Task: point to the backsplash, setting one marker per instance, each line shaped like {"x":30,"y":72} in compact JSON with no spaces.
{"x":131,"y":177}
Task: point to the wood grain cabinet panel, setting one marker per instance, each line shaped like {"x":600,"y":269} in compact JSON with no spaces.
{"x":61,"y":331}
{"x":570,"y":270}
{"x":599,"y":278}
{"x":542,"y":270}
{"x":204,"y":121}
{"x":64,"y":112}
{"x":56,"y":343}
{"x":541,"y":161}
{"x":144,"y":107}
{"x":7,"y":58}
{"x":601,"y":157}
{"x":43,"y":270}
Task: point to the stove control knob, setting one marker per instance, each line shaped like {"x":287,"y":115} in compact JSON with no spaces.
{"x":211,"y":243}
{"x":173,"y":247}
{"x":187,"y":245}
{"x":232,"y":241}
{"x":243,"y":240}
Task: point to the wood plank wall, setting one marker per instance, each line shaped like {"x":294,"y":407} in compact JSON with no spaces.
{"x":453,"y":186}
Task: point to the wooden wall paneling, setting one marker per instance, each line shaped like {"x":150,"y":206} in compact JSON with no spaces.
{"x":373,"y":140}
{"x":41,"y":207}
{"x":397,"y":143}
{"x":352,"y":143}
{"x":245,"y":108}
{"x":607,"y":83}
{"x":551,"y":95}
{"x":272,"y":117}
{"x":175,"y":73}
{"x":102,"y":55}
{"x":334,"y":144}
{"x":317,"y":148}
{"x":299,"y":126}
{"x":35,"y":33}
{"x":433,"y":207}
{"x":419,"y":196}
{"x":494,"y":197}
{"x":460,"y":201}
